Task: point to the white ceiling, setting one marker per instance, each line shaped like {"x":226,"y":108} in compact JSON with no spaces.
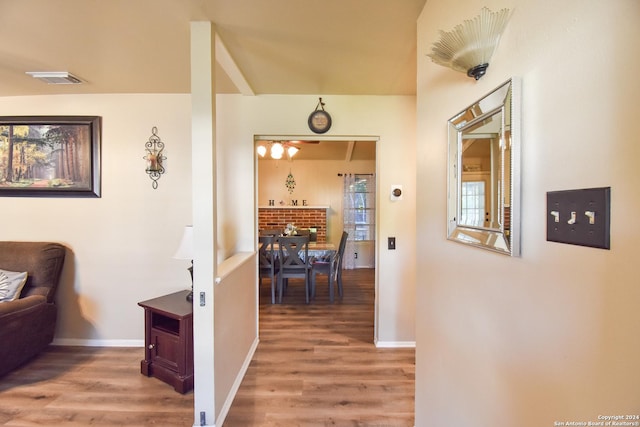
{"x":320,"y":47}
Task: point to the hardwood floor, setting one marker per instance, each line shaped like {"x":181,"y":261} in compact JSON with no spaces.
{"x":81,"y":386}
{"x":316,"y":365}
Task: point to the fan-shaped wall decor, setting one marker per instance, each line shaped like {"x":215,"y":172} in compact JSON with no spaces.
{"x":469,"y":46}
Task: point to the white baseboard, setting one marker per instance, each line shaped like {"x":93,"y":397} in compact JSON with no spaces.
{"x":97,"y":343}
{"x":395,"y":344}
{"x":236,"y":384}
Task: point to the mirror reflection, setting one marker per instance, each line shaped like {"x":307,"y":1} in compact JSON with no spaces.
{"x":481,"y":173}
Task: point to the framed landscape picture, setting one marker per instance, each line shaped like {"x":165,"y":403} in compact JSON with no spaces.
{"x":50,"y":156}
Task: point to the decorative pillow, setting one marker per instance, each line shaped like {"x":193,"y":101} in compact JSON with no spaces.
{"x":11,"y":284}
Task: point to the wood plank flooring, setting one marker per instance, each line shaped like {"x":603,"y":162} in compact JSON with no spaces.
{"x":82,"y":386}
{"x":316,"y":365}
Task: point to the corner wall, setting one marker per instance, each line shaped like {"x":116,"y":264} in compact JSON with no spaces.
{"x":392,"y":118}
{"x":120,"y":245}
{"x":551,"y":336}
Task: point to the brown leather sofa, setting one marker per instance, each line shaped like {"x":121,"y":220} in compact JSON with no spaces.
{"x":27,"y":324}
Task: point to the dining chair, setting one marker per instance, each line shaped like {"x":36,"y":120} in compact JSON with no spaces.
{"x":341,"y":249}
{"x":328,"y":267}
{"x":294,"y":263}
{"x":332,"y":267}
{"x":268,"y":263}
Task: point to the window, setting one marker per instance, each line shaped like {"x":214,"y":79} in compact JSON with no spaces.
{"x":472,"y":208}
{"x":359,"y":209}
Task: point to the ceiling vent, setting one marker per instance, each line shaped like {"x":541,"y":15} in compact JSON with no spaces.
{"x":55,"y":77}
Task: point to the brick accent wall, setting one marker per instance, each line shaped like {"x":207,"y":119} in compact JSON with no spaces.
{"x":278,"y":218}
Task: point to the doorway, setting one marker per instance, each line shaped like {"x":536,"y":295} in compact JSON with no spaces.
{"x":313,"y":178}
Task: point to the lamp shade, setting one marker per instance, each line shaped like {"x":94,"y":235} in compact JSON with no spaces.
{"x":277,"y":150}
{"x":185,"y":250}
{"x":291,"y":151}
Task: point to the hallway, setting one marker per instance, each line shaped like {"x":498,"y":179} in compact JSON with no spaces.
{"x":316,"y":364}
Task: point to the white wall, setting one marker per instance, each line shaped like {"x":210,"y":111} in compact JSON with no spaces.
{"x":391,"y":118}
{"x":552,"y":335}
{"x":121,"y":245}
{"x":236,"y":328}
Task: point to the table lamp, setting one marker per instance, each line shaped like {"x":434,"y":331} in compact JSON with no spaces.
{"x":185,"y":251}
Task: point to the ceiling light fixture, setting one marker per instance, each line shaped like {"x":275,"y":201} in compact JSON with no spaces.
{"x":55,"y":77}
{"x":291,"y":151}
{"x":277,"y":149}
{"x":469,"y":46}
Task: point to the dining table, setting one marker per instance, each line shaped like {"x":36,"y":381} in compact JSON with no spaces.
{"x":321,"y":250}
{"x":316,"y":250}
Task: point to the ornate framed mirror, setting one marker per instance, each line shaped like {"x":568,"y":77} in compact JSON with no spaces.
{"x":484,"y":172}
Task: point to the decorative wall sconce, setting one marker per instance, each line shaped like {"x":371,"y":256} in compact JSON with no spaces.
{"x":277,"y":149}
{"x":154,"y":157}
{"x":468,"y":48}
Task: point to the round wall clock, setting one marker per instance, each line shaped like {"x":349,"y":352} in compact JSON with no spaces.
{"x":319,"y":121}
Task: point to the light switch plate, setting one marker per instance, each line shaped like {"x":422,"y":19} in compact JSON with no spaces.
{"x":391,"y":243}
{"x":579,"y":217}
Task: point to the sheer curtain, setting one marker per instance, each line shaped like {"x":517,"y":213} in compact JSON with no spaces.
{"x":349,"y":219}
{"x":358,"y":212}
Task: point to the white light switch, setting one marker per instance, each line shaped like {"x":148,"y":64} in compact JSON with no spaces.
{"x":592,"y":217}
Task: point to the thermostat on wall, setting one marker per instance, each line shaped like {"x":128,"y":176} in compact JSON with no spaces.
{"x":396,"y":192}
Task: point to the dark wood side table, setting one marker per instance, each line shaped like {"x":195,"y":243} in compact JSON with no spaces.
{"x":168,"y":338}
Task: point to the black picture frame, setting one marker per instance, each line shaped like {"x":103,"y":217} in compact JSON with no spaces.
{"x":50,"y":156}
